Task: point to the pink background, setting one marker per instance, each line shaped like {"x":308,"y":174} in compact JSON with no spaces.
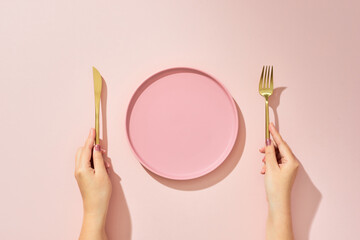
{"x":47,"y":49}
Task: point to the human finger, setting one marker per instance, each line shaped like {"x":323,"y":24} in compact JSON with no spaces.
{"x":263,"y":170}
{"x":107,"y":164}
{"x":262,"y":149}
{"x":276,"y":135}
{"x":98,"y":159}
{"x":281,"y":144}
{"x":87,"y":149}
{"x":270,"y":156}
{"x":77,"y":157}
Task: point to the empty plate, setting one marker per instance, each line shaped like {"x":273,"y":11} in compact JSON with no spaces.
{"x":181,"y":123}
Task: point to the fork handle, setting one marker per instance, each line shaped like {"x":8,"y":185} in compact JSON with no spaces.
{"x":267,"y":134}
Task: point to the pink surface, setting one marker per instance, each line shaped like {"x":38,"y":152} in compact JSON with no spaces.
{"x":181,"y":123}
{"x":47,"y":51}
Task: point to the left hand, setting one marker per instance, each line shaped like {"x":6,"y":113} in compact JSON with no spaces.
{"x":94,"y":183}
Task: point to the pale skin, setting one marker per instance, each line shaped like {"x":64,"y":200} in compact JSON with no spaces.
{"x":280,"y":172}
{"x":95,"y":187}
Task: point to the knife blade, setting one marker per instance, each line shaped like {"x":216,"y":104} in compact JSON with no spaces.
{"x":97,"y":91}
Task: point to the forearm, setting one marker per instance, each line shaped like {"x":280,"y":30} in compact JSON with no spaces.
{"x":279,"y":223}
{"x":93,"y":228}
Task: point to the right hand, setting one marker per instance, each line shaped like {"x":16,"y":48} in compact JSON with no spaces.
{"x":280,"y":171}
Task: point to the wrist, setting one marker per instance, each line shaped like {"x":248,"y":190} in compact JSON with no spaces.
{"x":95,"y":221}
{"x":279,"y":211}
{"x":93,"y":227}
{"x":279,"y":205}
{"x":97,"y":212}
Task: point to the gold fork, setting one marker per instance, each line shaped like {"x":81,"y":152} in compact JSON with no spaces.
{"x":265,"y":90}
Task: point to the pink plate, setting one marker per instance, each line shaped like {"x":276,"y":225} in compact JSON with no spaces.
{"x":181,"y":123}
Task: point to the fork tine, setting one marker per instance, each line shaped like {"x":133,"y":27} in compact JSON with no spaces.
{"x":271,"y":79}
{"x":261,"y":78}
{"x":266,"y":77}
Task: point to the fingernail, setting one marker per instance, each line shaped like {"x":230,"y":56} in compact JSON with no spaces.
{"x":97,"y":147}
{"x":268,"y":142}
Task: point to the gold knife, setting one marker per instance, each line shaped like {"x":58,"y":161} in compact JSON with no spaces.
{"x":97,"y":91}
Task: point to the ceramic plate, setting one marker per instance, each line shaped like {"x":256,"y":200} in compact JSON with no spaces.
{"x":181,"y":123}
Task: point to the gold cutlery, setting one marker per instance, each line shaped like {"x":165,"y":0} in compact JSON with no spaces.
{"x":97,"y":90}
{"x":265,"y":90}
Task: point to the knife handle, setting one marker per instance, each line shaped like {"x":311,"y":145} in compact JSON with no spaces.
{"x":97,"y":140}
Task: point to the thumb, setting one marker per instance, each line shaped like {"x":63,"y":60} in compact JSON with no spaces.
{"x":98,"y":159}
{"x":270,"y":156}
